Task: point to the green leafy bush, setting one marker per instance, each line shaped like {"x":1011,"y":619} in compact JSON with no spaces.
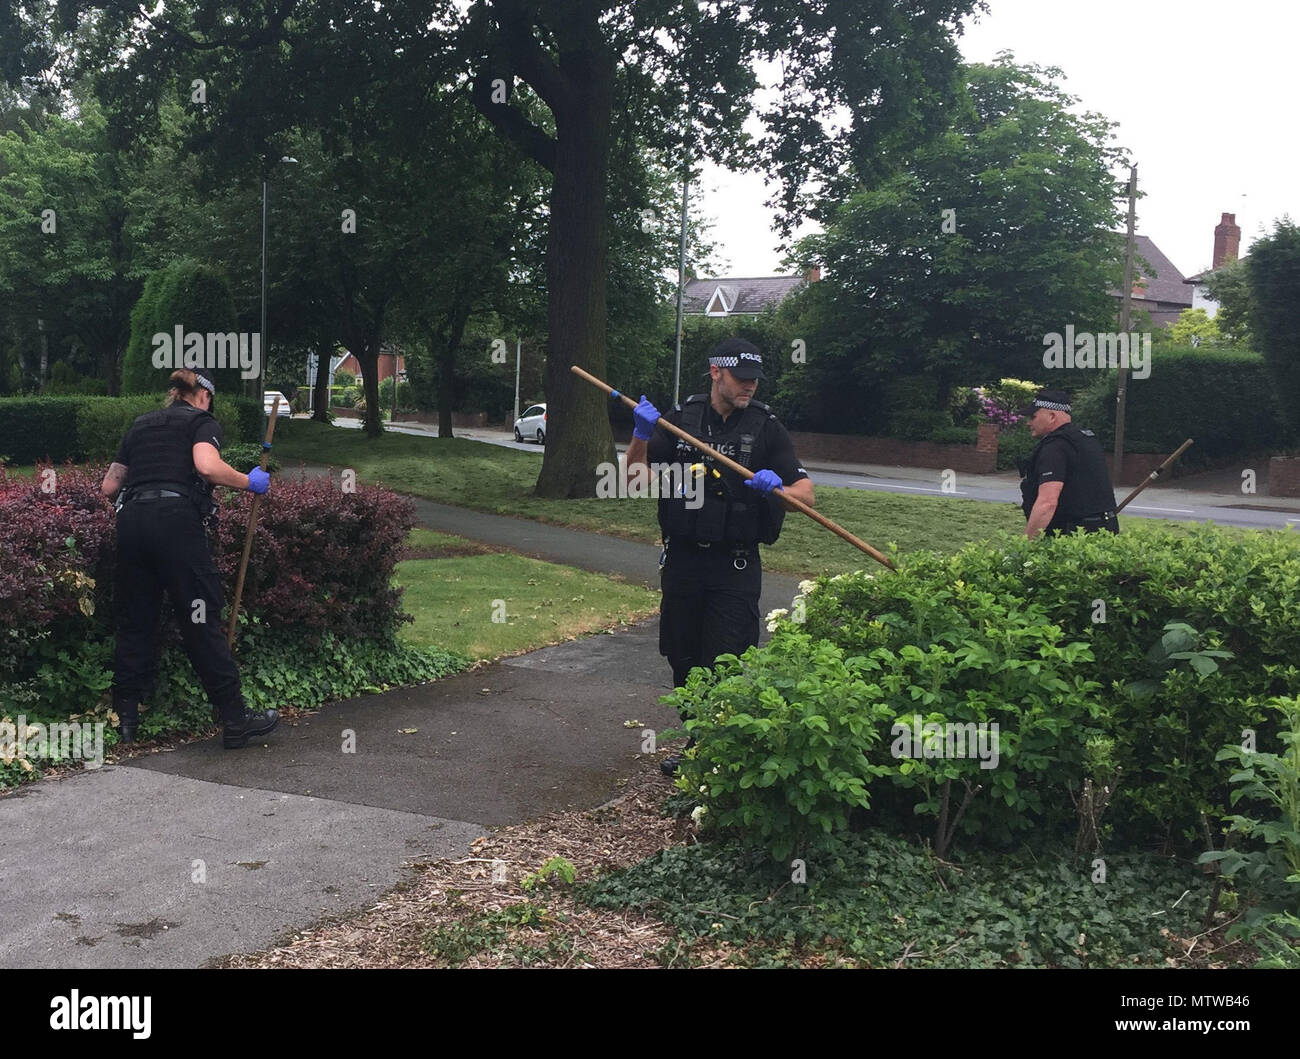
{"x":1272,"y":863}
{"x":248,"y":454}
{"x":791,"y":736}
{"x":946,"y":435}
{"x":404,"y":402}
{"x":783,"y":737}
{"x":1014,"y":443}
{"x":1117,"y":594}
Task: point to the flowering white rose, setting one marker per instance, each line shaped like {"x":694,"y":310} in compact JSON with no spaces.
{"x":697,"y":814}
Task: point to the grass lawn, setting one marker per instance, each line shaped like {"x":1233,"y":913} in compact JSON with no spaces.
{"x":486,"y":604}
{"x":500,"y":480}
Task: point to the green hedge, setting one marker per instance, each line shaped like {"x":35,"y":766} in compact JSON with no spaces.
{"x":38,"y":428}
{"x":1225,"y":399}
{"x":1136,"y":657}
{"x":33,"y":429}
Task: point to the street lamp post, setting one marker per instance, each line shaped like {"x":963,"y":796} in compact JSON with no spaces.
{"x":266,"y":347}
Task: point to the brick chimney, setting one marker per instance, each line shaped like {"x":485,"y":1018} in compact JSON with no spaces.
{"x":1227,"y":241}
{"x":813,"y":274}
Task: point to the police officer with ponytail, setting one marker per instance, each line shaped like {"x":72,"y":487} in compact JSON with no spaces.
{"x":165,"y":468}
{"x":712,"y":576}
{"x":1064,"y":484}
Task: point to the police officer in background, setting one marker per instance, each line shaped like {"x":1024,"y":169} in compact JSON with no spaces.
{"x":712,"y":575}
{"x":166,"y":467}
{"x":1064,"y":484}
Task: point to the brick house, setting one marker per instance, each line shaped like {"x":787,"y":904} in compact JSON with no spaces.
{"x":1227,"y":244}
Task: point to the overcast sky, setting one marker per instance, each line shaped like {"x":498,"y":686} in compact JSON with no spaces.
{"x":1204,"y":94}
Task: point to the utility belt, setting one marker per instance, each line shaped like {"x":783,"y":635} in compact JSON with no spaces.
{"x":739,"y":554}
{"x":1091,"y":523}
{"x":150,"y":491}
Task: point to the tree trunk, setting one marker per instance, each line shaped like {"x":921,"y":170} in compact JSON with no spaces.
{"x":578,"y":437}
{"x":321,"y":396}
{"x":443,"y":344}
{"x":367,"y":354}
{"x":445,"y":359}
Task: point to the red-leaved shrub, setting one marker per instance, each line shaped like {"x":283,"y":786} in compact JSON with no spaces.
{"x":322,"y":559}
{"x":56,"y":545}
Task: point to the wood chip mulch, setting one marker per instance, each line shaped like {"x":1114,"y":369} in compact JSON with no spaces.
{"x":456,"y":893}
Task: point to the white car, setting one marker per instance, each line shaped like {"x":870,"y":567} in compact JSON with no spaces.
{"x":532,"y":424}
{"x":268,"y":399}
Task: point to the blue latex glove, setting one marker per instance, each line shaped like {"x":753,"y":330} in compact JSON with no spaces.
{"x":764,"y":481}
{"x":646,"y":416}
{"x":258,"y":481}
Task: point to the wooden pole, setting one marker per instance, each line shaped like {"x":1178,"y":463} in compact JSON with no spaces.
{"x":1155,"y":474}
{"x":789,"y":501}
{"x":252,"y":524}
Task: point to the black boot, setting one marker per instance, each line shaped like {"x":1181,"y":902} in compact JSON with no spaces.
{"x":252,"y":726}
{"x":128,"y":718}
{"x":669,"y":765}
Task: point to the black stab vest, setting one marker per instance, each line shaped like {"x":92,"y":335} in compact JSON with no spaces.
{"x":1087,"y":490}
{"x":162,"y":451}
{"x":731,"y":514}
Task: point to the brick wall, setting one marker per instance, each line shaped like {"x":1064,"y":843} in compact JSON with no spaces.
{"x":980,"y":458}
{"x":458,"y":419}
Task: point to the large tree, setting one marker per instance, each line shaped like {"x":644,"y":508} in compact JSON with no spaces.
{"x":1229,"y":285}
{"x":68,"y":264}
{"x":953,"y":269}
{"x":883,"y":68}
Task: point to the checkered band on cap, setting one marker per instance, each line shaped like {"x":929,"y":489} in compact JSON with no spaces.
{"x":731,"y":360}
{"x":1055,"y":406}
{"x":206,"y":383}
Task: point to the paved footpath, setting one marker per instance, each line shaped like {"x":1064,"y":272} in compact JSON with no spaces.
{"x":173,"y":859}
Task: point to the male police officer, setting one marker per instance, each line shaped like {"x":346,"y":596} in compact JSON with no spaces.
{"x":712,"y":576}
{"x":168,"y":463}
{"x":1064,"y":484}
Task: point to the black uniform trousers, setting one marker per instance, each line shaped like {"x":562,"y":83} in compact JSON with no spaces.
{"x":709,"y":607}
{"x":162,"y":546}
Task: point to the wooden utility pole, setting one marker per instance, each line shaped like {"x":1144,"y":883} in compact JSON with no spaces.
{"x":1124,"y":312}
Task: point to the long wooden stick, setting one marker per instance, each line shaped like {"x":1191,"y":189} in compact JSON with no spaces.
{"x":1155,"y":474}
{"x":791,"y":502}
{"x":252,"y":524}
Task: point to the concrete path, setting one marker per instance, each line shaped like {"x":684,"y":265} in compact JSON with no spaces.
{"x":174,"y":859}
